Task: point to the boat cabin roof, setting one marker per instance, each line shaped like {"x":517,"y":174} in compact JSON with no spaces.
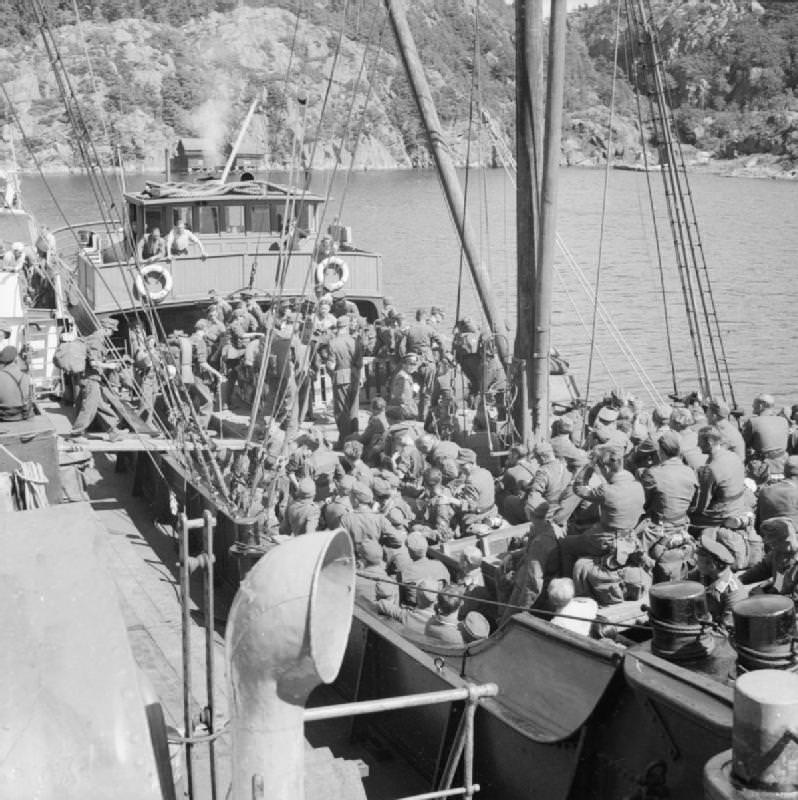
{"x":177,"y":192}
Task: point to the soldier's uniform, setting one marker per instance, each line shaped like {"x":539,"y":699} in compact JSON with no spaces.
{"x":766,"y":436}
{"x":345,"y":363}
{"x":93,"y":400}
{"x":420,"y":339}
{"x":401,"y":400}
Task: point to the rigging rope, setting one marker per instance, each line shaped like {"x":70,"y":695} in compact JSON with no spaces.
{"x":607,"y":168}
{"x":654,"y":223}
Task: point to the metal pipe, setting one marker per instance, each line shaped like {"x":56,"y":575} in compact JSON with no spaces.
{"x":446,"y":170}
{"x":468,"y":754}
{"x":286,"y":633}
{"x":210,"y":614}
{"x":404,"y":701}
{"x":548,"y":220}
{"x":185,"y":599}
{"x":458,"y":792}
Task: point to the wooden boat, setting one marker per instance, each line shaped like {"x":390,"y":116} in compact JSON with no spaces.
{"x":257,"y":235}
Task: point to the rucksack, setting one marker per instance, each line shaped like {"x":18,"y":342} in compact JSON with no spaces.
{"x":70,"y":357}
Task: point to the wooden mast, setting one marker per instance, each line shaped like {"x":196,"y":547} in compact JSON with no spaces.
{"x":446,"y":170}
{"x":529,"y":160}
{"x":548,"y":219}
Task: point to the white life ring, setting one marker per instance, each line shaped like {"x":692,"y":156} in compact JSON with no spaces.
{"x":162,"y":274}
{"x":339,"y":265}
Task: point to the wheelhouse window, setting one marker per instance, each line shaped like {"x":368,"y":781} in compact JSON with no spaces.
{"x":234,"y":219}
{"x":152,"y":220}
{"x":207,"y":218}
{"x":182,"y":213}
{"x":260,"y":218}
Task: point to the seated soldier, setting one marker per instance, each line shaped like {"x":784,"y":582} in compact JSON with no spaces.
{"x":354,"y":465}
{"x":777,"y":573}
{"x":420,"y":567}
{"x":303,"y":513}
{"x":724,"y":590}
{"x":414,"y":618}
{"x":444,"y":626}
{"x":372,"y":582}
{"x":16,"y":391}
{"x":375,"y":436}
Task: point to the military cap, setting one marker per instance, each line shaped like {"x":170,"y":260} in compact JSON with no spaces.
{"x":564,"y":424}
{"x":8,"y":355}
{"x":397,"y":517}
{"x":411,"y":358}
{"x":682,"y":417}
{"x":362,"y":493}
{"x":200,"y":324}
{"x":468,"y":325}
{"x":416,"y":544}
{"x":720,"y":408}
{"x":709,"y":544}
{"x":466,"y":456}
{"x":661,"y":413}
{"x":607,"y":415}
{"x":246,"y":294}
{"x":776,"y":529}
{"x":393,"y":479}
{"x":449,"y":469}
{"x":436,"y":311}
{"x":791,"y":467}
{"x":670,"y":443}
{"x":475,"y":626}
{"x":544,"y":450}
{"x":346,"y":482}
{"x":647,"y":447}
{"x":370,"y":551}
{"x":425,"y":531}
{"x":381,"y":488}
{"x":306,"y":489}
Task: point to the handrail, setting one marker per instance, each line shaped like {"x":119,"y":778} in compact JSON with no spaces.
{"x":462,"y":746}
{"x":470,"y":693}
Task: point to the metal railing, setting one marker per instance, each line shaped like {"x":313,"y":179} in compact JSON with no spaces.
{"x":462,"y":746}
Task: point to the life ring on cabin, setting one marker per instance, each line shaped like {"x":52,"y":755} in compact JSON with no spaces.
{"x":338,"y":265}
{"x":161,"y":274}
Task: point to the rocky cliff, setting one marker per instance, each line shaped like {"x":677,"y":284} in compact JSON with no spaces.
{"x":144,"y":82}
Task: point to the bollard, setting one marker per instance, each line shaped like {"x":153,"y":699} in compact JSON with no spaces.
{"x":764,"y":754}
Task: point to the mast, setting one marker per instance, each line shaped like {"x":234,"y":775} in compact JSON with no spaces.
{"x":548,"y":219}
{"x":443,"y":161}
{"x":529,"y":158}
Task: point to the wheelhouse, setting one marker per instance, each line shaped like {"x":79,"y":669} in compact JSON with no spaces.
{"x":255,"y":234}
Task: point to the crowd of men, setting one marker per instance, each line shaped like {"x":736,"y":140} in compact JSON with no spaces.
{"x":609,"y":505}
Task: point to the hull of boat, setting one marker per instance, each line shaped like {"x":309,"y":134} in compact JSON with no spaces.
{"x":568,"y":721}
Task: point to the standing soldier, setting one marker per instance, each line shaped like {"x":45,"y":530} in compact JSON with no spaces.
{"x":344,"y":364}
{"x":401,"y":400}
{"x":197,"y":383}
{"x":420,"y":338}
{"x":93,"y":400}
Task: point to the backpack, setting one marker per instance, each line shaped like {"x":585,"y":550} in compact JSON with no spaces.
{"x":70,"y":357}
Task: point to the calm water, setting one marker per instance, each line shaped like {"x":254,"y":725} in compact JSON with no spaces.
{"x":748,"y":228}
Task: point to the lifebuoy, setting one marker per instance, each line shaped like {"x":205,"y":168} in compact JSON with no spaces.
{"x":337,"y":264}
{"x":162,"y":274}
